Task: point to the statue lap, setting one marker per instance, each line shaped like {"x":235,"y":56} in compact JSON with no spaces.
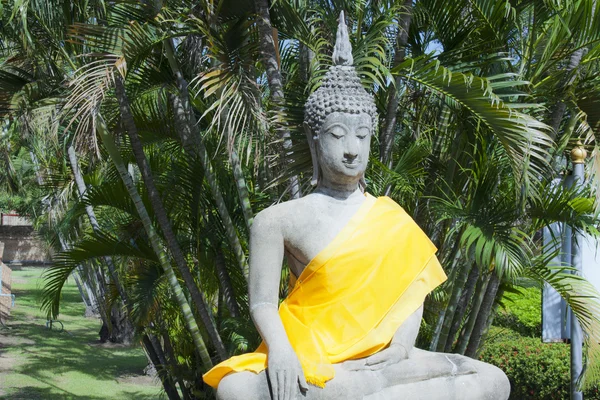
{"x":423,"y":376}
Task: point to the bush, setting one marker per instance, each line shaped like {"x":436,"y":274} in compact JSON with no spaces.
{"x":522,"y":312}
{"x":536,"y":370}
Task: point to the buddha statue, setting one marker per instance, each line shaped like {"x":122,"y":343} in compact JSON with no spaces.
{"x":362,"y":269}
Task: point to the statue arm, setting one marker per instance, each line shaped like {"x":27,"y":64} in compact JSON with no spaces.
{"x":266,"y":256}
{"x":406,"y":335}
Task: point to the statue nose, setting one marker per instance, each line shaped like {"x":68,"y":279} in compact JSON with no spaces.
{"x":350,"y":156}
{"x":351,"y":150}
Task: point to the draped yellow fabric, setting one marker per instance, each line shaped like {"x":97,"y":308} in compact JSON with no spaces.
{"x":352,"y":297}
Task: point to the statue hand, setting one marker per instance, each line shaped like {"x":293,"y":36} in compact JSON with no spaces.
{"x":285,"y":374}
{"x":386,"y":357}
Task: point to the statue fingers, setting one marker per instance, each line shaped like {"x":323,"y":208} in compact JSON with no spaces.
{"x":302,"y":382}
{"x":378,"y":366}
{"x":378,"y":358}
{"x":354,"y":365}
{"x":288,"y":377}
{"x":280,"y":385}
{"x":284,"y":379}
{"x":273,"y":380}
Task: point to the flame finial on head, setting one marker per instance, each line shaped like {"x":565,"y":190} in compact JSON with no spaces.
{"x":341,"y":89}
{"x":342,"y":52}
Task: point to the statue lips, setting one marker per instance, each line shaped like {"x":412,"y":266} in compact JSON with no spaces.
{"x":351,"y":164}
{"x":351,"y":161}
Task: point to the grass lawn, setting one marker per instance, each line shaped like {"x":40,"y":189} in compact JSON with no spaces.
{"x":37,"y":363}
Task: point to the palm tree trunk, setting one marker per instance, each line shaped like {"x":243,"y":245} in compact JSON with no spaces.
{"x":186,"y":135}
{"x":115,"y":157}
{"x":192,"y":143}
{"x":94,"y":294}
{"x":465,"y":335}
{"x":386,"y":138}
{"x":491,"y":317}
{"x":269,"y":53}
{"x":126,"y":328}
{"x":242,"y":188}
{"x":306,"y":56}
{"x":81,"y":188}
{"x":465,"y":298}
{"x":87,"y":295}
{"x":161,"y":370}
{"x":457,"y":288}
{"x":82,"y":291}
{"x":92,"y":297}
{"x":96,"y":305}
{"x":559,"y":109}
{"x":484,"y":315}
{"x":226,"y":286}
{"x":220,"y":307}
{"x":174,"y":365}
{"x":163,"y":220}
{"x":453,"y":255}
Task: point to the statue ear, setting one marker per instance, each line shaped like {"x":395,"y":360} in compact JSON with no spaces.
{"x":313,"y":153}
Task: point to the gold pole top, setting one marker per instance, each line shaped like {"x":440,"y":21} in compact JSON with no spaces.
{"x":578,"y":154}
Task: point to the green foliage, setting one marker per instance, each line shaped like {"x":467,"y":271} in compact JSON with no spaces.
{"x":10,"y":203}
{"x":26,"y":202}
{"x":536,"y":370}
{"x":522,"y":312}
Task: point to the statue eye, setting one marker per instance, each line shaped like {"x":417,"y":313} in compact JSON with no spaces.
{"x":337,"y":132}
{"x":362,"y":133}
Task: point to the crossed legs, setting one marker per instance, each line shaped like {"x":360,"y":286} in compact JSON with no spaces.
{"x":423,"y":376}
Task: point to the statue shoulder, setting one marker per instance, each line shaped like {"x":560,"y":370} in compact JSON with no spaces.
{"x":277,"y":216}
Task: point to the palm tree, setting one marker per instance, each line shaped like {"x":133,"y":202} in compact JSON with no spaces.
{"x":155,"y":241}
{"x":163,"y":221}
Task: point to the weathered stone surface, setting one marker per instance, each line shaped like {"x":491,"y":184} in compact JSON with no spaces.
{"x":21,"y":245}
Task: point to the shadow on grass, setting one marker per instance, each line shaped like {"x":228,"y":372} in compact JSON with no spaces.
{"x":62,"y":353}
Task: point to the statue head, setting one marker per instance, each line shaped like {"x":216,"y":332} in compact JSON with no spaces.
{"x":340,"y":118}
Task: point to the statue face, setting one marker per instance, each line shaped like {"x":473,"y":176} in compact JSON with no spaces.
{"x":343,"y":146}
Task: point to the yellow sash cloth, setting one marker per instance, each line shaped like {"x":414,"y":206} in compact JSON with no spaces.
{"x":353,"y":296}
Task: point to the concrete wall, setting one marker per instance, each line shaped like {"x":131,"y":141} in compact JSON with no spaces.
{"x":13,"y":219}
{"x":22,"y":246}
{"x":5,"y":291}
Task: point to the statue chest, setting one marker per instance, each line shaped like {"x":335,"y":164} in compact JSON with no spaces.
{"x":310,"y":231}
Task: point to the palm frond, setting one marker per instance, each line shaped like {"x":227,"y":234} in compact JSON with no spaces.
{"x":524,"y":138}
